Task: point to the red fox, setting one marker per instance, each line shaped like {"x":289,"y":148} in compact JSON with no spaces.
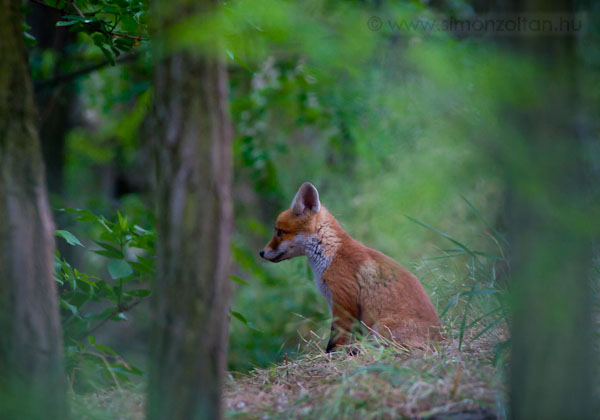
{"x":359,"y":283}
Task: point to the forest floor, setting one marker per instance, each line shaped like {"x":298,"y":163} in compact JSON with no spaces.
{"x":370,"y":381}
{"x":364,"y":381}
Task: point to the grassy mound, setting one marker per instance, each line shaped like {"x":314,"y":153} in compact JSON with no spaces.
{"x":369,"y":381}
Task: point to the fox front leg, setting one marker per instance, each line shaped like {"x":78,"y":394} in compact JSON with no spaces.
{"x":340,"y":331}
{"x":336,"y":338}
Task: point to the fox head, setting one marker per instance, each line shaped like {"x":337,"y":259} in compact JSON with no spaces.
{"x":294,"y":226}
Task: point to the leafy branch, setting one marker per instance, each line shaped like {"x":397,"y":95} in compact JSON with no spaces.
{"x":114,"y":26}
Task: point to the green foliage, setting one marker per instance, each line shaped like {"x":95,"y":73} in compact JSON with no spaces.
{"x":91,"y":302}
{"x":114,"y":26}
{"x":88,"y":302}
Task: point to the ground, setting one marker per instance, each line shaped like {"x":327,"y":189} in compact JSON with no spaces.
{"x":374,"y":382}
{"x":365,"y":381}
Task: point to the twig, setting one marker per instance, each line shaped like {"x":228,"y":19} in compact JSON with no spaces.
{"x":97,"y":354}
{"x":74,"y":6}
{"x":113,"y":313}
{"x":137,"y":38}
{"x":67,"y":77}
{"x":455,"y":382}
{"x":44,"y":4}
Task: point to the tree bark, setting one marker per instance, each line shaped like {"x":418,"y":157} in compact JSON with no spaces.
{"x":55,"y":103}
{"x":551,"y":225}
{"x":31,"y":376}
{"x":193,"y":137}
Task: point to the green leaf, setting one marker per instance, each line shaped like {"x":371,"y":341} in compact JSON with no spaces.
{"x":142,"y":293}
{"x":70,"y":307}
{"x":107,"y":54}
{"x":69,"y":237}
{"x":109,"y":251}
{"x":82,"y":215}
{"x":134,"y":370}
{"x":244,"y":321}
{"x":66,"y":22}
{"x":119,"y":269}
{"x":240,"y":317}
{"x":141,"y":229}
{"x":105,"y":349}
{"x":238,"y":60}
{"x":238,"y":280}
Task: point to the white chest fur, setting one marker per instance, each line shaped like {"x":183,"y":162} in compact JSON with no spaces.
{"x":319,"y":260}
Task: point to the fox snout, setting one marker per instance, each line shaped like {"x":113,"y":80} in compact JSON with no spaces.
{"x":282,"y":252}
{"x":271,"y":255}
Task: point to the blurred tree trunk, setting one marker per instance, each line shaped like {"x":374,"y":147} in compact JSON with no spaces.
{"x":194,"y":219}
{"x":55,"y":101}
{"x":31,"y":375}
{"x":551,"y":225}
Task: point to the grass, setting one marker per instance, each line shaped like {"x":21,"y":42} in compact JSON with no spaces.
{"x":371,"y":382}
{"x":123,"y":403}
{"x":365,"y":380}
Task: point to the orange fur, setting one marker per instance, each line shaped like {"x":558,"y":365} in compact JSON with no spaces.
{"x":361,"y":284}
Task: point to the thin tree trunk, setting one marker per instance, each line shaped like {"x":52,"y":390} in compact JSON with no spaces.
{"x":194,"y":220}
{"x":31,"y":375}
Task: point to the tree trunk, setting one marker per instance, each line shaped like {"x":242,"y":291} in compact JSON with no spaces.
{"x":552,"y":224}
{"x":194,"y":220}
{"x":55,"y":102}
{"x":31,"y":375}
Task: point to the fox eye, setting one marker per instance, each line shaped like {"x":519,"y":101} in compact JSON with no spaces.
{"x":279,"y":232}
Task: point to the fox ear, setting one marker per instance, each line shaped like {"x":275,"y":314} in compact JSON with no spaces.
{"x":307,"y":198}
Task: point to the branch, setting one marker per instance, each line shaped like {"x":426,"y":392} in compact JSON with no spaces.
{"x":121,"y":308}
{"x":74,"y":6}
{"x":43,"y":3}
{"x":68,"y":77}
{"x":137,"y":38}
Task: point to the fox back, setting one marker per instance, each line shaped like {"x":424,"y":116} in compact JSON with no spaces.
{"x":360,"y":284}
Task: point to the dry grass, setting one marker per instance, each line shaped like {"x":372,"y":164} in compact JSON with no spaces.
{"x":126,"y":403}
{"x":375,"y":382}
{"x":363,"y":381}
